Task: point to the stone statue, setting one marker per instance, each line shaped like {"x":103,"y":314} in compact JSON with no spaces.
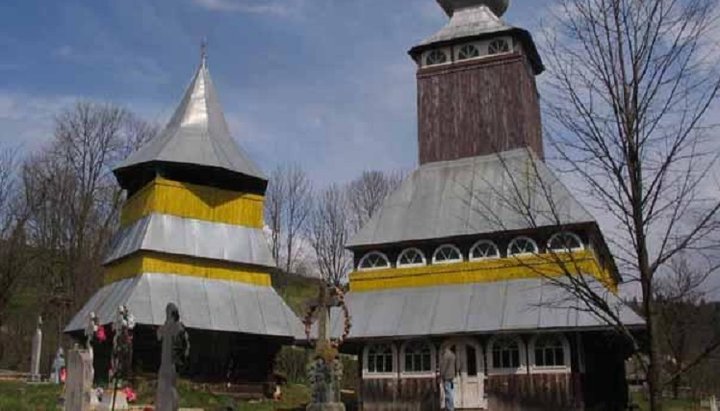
{"x":174,"y":354}
{"x":90,"y":334}
{"x":36,"y":352}
{"x":57,"y":366}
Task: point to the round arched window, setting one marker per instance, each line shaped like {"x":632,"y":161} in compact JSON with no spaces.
{"x":468,"y":51}
{"x":446,"y":254}
{"x":411,"y":257}
{"x":565,"y":241}
{"x":374,"y":261}
{"x":483,"y":250}
{"x":435,"y":57}
{"x":498,"y":46}
{"x":522,"y":246}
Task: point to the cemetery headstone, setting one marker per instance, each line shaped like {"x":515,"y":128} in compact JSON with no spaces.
{"x":174,"y":355}
{"x":78,"y":387}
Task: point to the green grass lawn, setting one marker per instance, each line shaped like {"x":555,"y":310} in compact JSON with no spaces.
{"x":668,"y":404}
{"x":20,"y":396}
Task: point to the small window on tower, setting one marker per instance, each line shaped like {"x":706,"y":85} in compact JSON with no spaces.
{"x":435,"y":57}
{"x":498,"y":46}
{"x":468,"y":51}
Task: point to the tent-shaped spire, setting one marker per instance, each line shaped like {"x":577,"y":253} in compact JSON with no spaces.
{"x":195,"y":143}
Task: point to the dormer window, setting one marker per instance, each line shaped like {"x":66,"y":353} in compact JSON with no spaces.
{"x":522,"y":246}
{"x":374,"y":260}
{"x":483,"y":250}
{"x":565,"y":241}
{"x":436,"y":57}
{"x":468,"y":51}
{"x":411,"y":257}
{"x":447,"y":254}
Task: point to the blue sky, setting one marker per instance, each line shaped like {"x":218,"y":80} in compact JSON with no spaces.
{"x":325,"y":83}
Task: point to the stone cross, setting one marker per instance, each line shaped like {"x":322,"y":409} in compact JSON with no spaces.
{"x":713,"y":404}
{"x":175,"y":349}
{"x":36,"y":352}
{"x":326,"y":370}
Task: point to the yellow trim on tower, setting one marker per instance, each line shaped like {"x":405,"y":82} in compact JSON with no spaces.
{"x":513,"y":268}
{"x":153,"y":262}
{"x":194,"y":201}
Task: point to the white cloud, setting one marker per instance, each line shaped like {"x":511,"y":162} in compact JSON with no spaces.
{"x":27,"y":120}
{"x":249,"y":6}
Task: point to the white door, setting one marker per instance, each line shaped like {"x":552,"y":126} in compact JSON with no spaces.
{"x":470,"y":383}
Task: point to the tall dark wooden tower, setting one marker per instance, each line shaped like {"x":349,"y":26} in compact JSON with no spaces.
{"x":476,"y":85}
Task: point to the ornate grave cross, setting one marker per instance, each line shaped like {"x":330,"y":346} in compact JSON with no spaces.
{"x":325,"y":371}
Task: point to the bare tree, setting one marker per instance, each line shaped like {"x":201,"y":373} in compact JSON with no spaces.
{"x":328,"y":232}
{"x":367,"y":193}
{"x":628,"y":93}
{"x":13,"y":252}
{"x":686,"y":326}
{"x":74,"y":200}
{"x":287,"y":207}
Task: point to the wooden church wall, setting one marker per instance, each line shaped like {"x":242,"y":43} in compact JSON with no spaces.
{"x":406,"y":394}
{"x":477,"y":107}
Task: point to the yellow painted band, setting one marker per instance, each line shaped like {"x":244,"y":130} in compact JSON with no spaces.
{"x":152,"y":262}
{"x":513,"y":268}
{"x":193,"y":201}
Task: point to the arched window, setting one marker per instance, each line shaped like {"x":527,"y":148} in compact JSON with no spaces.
{"x":468,"y":51}
{"x":483,"y":250}
{"x":435,"y":57}
{"x":411,"y":257}
{"x":374,"y":260}
{"x":550,"y":352}
{"x":446,"y":254}
{"x":507,"y":355}
{"x":498,"y":46}
{"x":522,"y":246}
{"x":380,"y":359}
{"x":565,"y":241}
{"x":417,"y":357}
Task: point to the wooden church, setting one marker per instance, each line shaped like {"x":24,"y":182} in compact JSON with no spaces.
{"x":191,"y":234}
{"x":452,"y":258}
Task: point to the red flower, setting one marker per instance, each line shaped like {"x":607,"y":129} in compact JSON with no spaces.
{"x":130,"y":394}
{"x":100,"y":334}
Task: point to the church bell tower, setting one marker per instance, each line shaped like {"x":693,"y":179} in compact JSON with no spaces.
{"x":476,"y":85}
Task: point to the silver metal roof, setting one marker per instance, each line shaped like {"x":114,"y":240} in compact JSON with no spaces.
{"x":197,"y":134}
{"x":506,"y":306}
{"x":204,"y":304}
{"x":469,"y":22}
{"x":177,"y":235}
{"x":472,"y":196}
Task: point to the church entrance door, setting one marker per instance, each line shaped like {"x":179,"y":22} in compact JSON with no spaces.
{"x":470,"y":383}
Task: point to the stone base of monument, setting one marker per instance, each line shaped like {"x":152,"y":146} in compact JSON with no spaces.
{"x":106,"y":403}
{"x":331,"y":406}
